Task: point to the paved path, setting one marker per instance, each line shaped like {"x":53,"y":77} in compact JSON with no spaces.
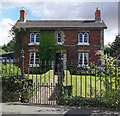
{"x":47,"y":93}
{"x":20,"y":108}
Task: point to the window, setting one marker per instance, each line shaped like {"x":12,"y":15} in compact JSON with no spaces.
{"x":37,"y":37}
{"x":59,"y":38}
{"x":83,"y":38}
{"x":83,"y":59}
{"x":80,"y":37}
{"x":34,"y":38}
{"x":34,"y":59}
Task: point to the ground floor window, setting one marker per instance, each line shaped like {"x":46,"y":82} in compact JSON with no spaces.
{"x":34,"y":59}
{"x":83,"y":59}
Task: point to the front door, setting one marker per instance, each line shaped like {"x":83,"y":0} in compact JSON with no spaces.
{"x":58,"y":63}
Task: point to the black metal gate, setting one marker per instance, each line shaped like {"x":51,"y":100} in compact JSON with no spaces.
{"x":43,"y":87}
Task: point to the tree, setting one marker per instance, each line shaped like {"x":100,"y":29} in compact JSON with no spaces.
{"x":18,"y":34}
{"x":107,"y":49}
{"x":111,"y":48}
{"x":8,"y":47}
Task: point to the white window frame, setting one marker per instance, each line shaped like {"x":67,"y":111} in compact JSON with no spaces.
{"x":83,"y":43}
{"x":34,"y":42}
{"x":60,"y":43}
{"x":34,"y":64}
{"x":83,"y":58}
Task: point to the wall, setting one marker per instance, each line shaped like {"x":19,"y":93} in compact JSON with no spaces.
{"x":70,"y":43}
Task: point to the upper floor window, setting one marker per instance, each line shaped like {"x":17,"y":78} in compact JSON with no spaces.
{"x":34,"y":38}
{"x":83,"y":38}
{"x":83,"y":59}
{"x":59,"y":38}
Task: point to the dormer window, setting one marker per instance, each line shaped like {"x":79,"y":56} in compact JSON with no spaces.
{"x":83,"y":38}
{"x":34,"y":38}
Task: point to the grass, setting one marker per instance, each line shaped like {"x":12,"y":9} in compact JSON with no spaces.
{"x":2,"y":51}
{"x":39,"y":80}
{"x":81,"y":84}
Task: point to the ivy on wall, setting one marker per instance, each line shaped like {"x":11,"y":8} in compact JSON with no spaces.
{"x":48,"y":47}
{"x":18,"y":34}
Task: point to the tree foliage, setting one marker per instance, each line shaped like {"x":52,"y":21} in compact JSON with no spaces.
{"x":2,"y":51}
{"x":111,"y":48}
{"x":18,"y":34}
{"x":12,"y":82}
{"x":8,"y":47}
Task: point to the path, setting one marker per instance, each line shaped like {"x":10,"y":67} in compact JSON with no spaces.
{"x":47,"y":93}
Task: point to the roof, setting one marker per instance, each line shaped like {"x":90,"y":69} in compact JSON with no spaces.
{"x":7,"y":55}
{"x":61,"y":24}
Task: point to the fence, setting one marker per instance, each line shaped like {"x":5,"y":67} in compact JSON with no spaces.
{"x":50,"y":83}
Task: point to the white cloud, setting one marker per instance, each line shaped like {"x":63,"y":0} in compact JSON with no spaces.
{"x":109,"y":37}
{"x":56,"y":10}
{"x":71,"y":10}
{"x":60,"y":1}
{"x":5,"y":26}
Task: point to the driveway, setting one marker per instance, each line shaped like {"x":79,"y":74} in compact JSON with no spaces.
{"x":21,"y":109}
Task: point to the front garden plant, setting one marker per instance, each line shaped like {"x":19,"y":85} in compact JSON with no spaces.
{"x":108,"y":73}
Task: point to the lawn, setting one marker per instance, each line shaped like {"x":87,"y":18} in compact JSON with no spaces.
{"x":39,"y":80}
{"x":81,"y":84}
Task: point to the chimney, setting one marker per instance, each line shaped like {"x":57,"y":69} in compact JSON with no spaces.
{"x":97,"y":14}
{"x":23,"y":15}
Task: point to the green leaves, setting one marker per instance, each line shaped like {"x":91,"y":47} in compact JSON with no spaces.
{"x":12,"y":81}
{"x":18,"y":35}
{"x":48,"y":47}
{"x":111,"y":48}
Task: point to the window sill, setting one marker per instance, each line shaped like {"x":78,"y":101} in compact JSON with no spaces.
{"x":59,"y":43}
{"x":86,"y":44}
{"x":82,"y":66}
{"x":37,"y":43}
{"x":34,"y":65}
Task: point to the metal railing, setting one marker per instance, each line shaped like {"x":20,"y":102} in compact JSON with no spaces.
{"x":46,"y":85}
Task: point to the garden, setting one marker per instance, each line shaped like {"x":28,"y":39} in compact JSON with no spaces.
{"x":101,"y":88}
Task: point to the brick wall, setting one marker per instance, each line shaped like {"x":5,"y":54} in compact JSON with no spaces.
{"x":70,"y":43}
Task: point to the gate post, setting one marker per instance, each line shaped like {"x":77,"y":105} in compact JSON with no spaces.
{"x":22,"y":69}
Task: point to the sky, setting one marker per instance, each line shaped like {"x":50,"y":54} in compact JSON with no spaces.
{"x":60,"y":9}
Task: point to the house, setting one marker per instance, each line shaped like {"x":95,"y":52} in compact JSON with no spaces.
{"x":81,"y":38}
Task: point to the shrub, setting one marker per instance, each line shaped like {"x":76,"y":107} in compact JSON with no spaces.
{"x":12,"y":82}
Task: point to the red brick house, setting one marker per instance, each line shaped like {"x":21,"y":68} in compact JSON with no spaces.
{"x":81,"y":38}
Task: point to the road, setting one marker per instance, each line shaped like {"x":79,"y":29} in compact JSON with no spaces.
{"x":15,"y":109}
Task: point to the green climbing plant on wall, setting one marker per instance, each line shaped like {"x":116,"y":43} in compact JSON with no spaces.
{"x":18,"y":34}
{"x":48,"y":47}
